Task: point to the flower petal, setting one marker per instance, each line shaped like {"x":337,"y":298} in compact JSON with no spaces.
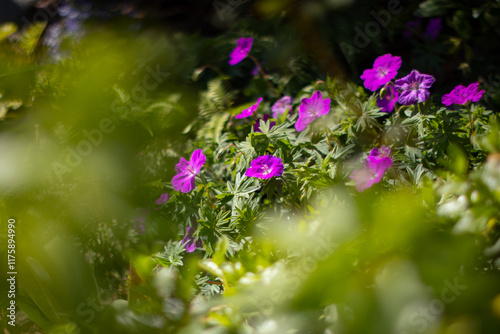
{"x":163,"y":198}
{"x":408,"y":97}
{"x":250,"y":110}
{"x":240,"y":52}
{"x":183,"y":182}
{"x":181,"y":167}
{"x":197,"y":160}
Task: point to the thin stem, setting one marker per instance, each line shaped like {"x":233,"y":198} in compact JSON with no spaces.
{"x":317,"y":83}
{"x":400,"y":178}
{"x":212,"y":282}
{"x":233,"y":145}
{"x":471,"y":132}
{"x":417,"y":109}
{"x":215,"y":174}
{"x":219,"y":72}
{"x":206,"y":189}
{"x":328,"y":134}
{"x":263,"y":75}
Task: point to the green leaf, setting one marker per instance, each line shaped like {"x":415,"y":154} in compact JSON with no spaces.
{"x":220,"y":250}
{"x":31,"y":36}
{"x":6,"y":30}
{"x":432,"y":8}
{"x":259,"y":142}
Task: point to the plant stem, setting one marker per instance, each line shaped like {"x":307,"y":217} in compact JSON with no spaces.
{"x":263,"y":75}
{"x":206,"y":189}
{"x":220,"y":179}
{"x":471,"y":132}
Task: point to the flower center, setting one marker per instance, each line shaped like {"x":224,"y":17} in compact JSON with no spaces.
{"x":266,"y":169}
{"x":191,"y":170}
{"x":414,"y":85}
{"x":382,"y":71}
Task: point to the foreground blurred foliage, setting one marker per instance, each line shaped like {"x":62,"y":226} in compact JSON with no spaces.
{"x":91,"y":131}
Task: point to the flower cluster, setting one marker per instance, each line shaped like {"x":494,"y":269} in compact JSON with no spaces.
{"x":309,"y":109}
{"x":413,"y":88}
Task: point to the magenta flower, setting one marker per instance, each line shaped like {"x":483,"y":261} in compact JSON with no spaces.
{"x":374,"y":167}
{"x":389,"y":100}
{"x":163,"y":198}
{"x":310,"y":109}
{"x":189,"y":241}
{"x":463,"y":95}
{"x":414,"y":87}
{"x":249,"y":111}
{"x":281,"y":106}
{"x":187,"y":170}
{"x":265,"y":167}
{"x":240,"y":52}
{"x":384,"y":70}
{"x":433,"y":28}
{"x":256,"y":126}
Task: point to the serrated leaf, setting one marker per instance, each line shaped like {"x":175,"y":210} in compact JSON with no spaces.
{"x":259,"y":142}
{"x":31,"y":36}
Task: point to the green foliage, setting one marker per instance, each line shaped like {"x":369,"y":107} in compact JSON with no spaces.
{"x":90,"y":141}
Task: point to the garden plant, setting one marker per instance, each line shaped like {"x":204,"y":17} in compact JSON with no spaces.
{"x":278,"y":167}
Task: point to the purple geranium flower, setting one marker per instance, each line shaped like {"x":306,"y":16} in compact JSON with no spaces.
{"x":189,"y":241}
{"x":187,"y":170}
{"x":243,"y":46}
{"x":265,"y":167}
{"x":310,"y":109}
{"x":387,"y":102}
{"x":433,"y":28}
{"x":414,"y":87}
{"x":374,"y":167}
{"x":265,"y":118}
{"x":163,"y":198}
{"x":463,"y":95}
{"x":249,"y":111}
{"x":281,"y":106}
{"x":384,"y":70}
